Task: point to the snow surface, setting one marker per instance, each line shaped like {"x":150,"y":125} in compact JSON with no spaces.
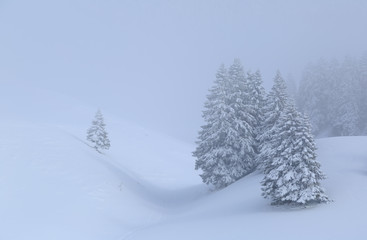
{"x":54,"y":186}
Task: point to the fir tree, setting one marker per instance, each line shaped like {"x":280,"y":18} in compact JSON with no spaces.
{"x":293,"y":175}
{"x":274,"y":105}
{"x":225,"y":144}
{"x":257,"y":98}
{"x":212,"y":154}
{"x":243,"y":101}
{"x":97,"y":134}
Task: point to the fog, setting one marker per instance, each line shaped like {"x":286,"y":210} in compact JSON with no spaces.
{"x":153,"y":61}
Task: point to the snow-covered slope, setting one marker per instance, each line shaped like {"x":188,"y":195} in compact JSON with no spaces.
{"x":239,"y":212}
{"x":54,"y":186}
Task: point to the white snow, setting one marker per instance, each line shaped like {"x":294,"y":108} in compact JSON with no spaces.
{"x":53,"y":186}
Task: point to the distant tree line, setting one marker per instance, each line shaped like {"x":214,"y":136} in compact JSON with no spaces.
{"x":247,"y":130}
{"x":333,"y":94}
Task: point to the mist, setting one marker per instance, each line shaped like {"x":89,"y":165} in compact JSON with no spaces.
{"x":153,"y":62}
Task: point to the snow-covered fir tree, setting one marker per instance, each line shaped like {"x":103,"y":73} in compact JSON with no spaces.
{"x":293,"y":175}
{"x":257,"y":96}
{"x":225,"y":146}
{"x":274,"y":105}
{"x":243,"y":102}
{"x":212,"y":154}
{"x":97,"y":134}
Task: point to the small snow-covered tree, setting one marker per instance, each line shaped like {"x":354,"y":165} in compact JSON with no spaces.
{"x":293,"y":175}
{"x":97,"y":134}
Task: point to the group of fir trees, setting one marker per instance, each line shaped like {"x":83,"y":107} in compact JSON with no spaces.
{"x":333,"y":95}
{"x":246,"y":130}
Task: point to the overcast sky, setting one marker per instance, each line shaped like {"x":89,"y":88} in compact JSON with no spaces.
{"x":153,"y":61}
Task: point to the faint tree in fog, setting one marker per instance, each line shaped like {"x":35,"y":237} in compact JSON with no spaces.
{"x":314,"y":95}
{"x":363,"y":92}
{"x":346,"y":118}
{"x":333,"y":95}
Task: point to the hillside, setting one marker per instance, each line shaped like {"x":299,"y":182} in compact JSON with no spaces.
{"x":54,"y":186}
{"x":239,"y":212}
